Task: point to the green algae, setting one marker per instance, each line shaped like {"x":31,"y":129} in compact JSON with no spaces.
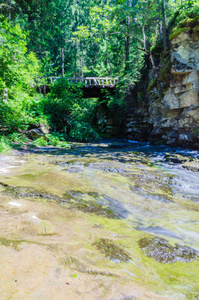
{"x":93,"y":202}
{"x":150,"y":182}
{"x":10,"y":243}
{"x":28,"y":192}
{"x":16,"y":243}
{"x":76,"y":265}
{"x":111,"y":250}
{"x":163,"y":252}
{"x":91,"y":207}
{"x":150,"y":273}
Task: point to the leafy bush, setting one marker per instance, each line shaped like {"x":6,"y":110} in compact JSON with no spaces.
{"x":56,"y":139}
{"x":83,"y":132}
{"x":41,"y":141}
{"x":5,"y":145}
{"x":17,"y":71}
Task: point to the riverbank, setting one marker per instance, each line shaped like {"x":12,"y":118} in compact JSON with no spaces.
{"x":114,"y":220}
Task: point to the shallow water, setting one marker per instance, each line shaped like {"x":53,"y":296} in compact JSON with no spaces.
{"x":72,"y":221}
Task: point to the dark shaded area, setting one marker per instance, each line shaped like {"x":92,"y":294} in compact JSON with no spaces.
{"x":91,"y":91}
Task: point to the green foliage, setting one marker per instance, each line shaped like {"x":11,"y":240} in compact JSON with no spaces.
{"x":18,"y":137}
{"x":68,"y":112}
{"x":83,"y":132}
{"x":39,"y":142}
{"x":113,"y":38}
{"x":52,"y":139}
{"x":57,"y":139}
{"x":17,"y":71}
{"x":185,"y":19}
{"x":5,"y":145}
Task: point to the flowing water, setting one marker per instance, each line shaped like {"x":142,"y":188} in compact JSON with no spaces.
{"x":114,"y":220}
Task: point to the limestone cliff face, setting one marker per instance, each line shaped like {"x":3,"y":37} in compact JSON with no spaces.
{"x":174,"y":117}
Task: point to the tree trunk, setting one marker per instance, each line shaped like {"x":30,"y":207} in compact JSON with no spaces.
{"x":164,"y":21}
{"x":127,"y":52}
{"x":62,"y":56}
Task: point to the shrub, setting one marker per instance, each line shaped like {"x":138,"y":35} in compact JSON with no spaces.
{"x":5,"y":145}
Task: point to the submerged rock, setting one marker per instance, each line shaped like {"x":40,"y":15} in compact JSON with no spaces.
{"x":100,"y":205}
{"x":111,"y":250}
{"x":92,"y":207}
{"x":177,"y":158}
{"x":163,"y":252}
{"x":193,"y":166}
{"x":28,"y":192}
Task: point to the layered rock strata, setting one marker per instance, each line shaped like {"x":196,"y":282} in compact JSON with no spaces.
{"x":174,"y":117}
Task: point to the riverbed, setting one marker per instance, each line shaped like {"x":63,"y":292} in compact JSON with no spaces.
{"x":113,"y":220}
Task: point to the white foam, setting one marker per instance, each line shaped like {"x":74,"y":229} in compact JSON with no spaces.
{"x":13,"y":203}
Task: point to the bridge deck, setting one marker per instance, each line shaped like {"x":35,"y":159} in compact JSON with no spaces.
{"x":86,"y":81}
{"x":91,"y":85}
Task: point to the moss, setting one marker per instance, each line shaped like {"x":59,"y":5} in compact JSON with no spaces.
{"x":111,"y":250}
{"x":152,"y":84}
{"x":92,"y":207}
{"x":76,"y":265}
{"x":177,"y":158}
{"x":165,"y":68}
{"x":196,"y":28}
{"x":29,"y":192}
{"x":177,"y":31}
{"x":158,"y":48}
{"x":10,"y":243}
{"x":190,"y":22}
{"x":163,"y":252}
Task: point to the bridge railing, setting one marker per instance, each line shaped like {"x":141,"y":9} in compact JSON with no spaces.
{"x":87,"y":81}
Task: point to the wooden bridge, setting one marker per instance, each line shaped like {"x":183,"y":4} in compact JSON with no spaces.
{"x":92,"y":86}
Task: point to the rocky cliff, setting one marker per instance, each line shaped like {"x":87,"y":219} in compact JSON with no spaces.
{"x":172,"y":116}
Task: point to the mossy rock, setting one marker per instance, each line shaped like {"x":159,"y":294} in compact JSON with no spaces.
{"x":111,"y":250}
{"x":165,"y":71}
{"x":29,"y":192}
{"x":177,"y":31}
{"x":152,"y":84}
{"x":160,"y":250}
{"x":95,"y":208}
{"x":177,"y":158}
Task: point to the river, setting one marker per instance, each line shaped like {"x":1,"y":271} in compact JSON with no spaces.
{"x":113,"y":220}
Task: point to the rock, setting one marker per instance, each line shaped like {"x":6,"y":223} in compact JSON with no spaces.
{"x":35,"y":133}
{"x":193,"y":166}
{"x":177,"y":158}
{"x":160,"y":250}
{"x":189,"y":98}
{"x":172,"y":118}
